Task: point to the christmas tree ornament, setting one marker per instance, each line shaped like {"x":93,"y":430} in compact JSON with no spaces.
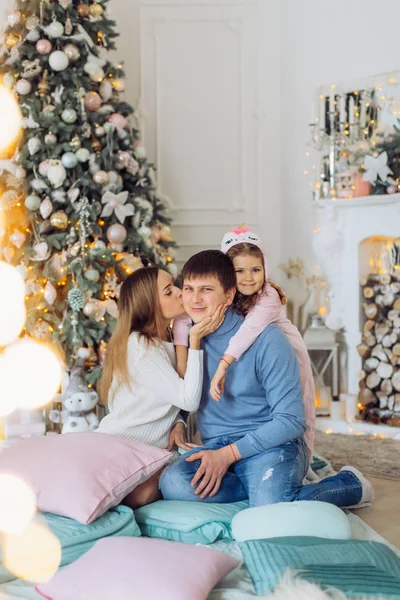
{"x":44,"y":86}
{"x":65,"y":3}
{"x":31,"y":68}
{"x":44,"y":167}
{"x":39,"y":185}
{"x":8,"y":80}
{"x":83,"y":155}
{"x":98,"y":246}
{"x":59,"y":220}
{"x":83,"y":10}
{"x":46,"y":208}
{"x":100,"y":177}
{"x":50,"y":139}
{"x":112,"y":176}
{"x":94,"y":71}
{"x":69,"y":115}
{"x":58,"y":196}
{"x":11,"y":40}
{"x":72,"y":52}
{"x":41,"y":251}
{"x":69,"y":160}
{"x":140,"y":150}
{"x":58,"y":60}
{"x":118,"y":84}
{"x":17,"y":238}
{"x":32,"y":22}
{"x":49,"y":294}
{"x":116,"y":233}
{"x":116,"y":203}
{"x":42,"y":331}
{"x":92,"y":275}
{"x":86,"y":130}
{"x":90,"y":308}
{"x":122,"y":159}
{"x":8,"y":254}
{"x":92,"y":101}
{"x":95,"y":10}
{"x":133,"y":166}
{"x":166,"y":233}
{"x":20,"y":173}
{"x":144,"y":232}
{"x":14,"y":18}
{"x":75,"y":143}
{"x":68,"y":26}
{"x":118,"y":120}
{"x":23,"y":87}
{"x":56,"y":173}
{"x":96,"y":145}
{"x":76,"y":299}
{"x":33,"y":36}
{"x":75,"y":249}
{"x":54,"y":30}
{"x":106,"y":90}
{"x":155,"y":234}
{"x":99,"y":131}
{"x":43,"y":46}
{"x":34,"y":145}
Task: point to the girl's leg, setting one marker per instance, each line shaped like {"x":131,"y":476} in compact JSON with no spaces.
{"x":146,"y":493}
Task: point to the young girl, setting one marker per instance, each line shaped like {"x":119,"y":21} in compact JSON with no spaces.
{"x":261,"y":303}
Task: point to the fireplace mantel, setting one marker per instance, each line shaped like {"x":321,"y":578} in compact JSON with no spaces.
{"x":341,"y":226}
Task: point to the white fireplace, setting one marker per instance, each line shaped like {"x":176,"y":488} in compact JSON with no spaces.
{"x":342,"y":226}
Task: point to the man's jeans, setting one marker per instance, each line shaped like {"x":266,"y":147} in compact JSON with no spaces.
{"x":275,"y":475}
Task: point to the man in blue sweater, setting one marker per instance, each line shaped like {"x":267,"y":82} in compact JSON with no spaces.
{"x":253,"y":437}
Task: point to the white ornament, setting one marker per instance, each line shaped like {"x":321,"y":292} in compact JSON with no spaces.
{"x":46,"y":208}
{"x":58,"y":196}
{"x":23,"y":87}
{"x":34,"y":145}
{"x":44,"y":167}
{"x":54,"y":30}
{"x":116,"y":234}
{"x":69,"y":115}
{"x":17,"y":238}
{"x":140,"y":151}
{"x":39,"y":185}
{"x":20,"y":173}
{"x":116,"y":203}
{"x":99,"y":131}
{"x":69,"y":160}
{"x":58,"y":60}
{"x":8,"y":80}
{"x":56,"y":173}
{"x":112,"y":176}
{"x":111,"y":307}
{"x":83,"y":155}
{"x":41,"y":250}
{"x":50,"y":139}
{"x":14,"y":17}
{"x":34,"y":35}
{"x":106,"y":90}
{"x":50,"y":293}
{"x":376,"y":167}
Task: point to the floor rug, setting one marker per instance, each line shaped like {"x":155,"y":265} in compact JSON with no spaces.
{"x":374,"y":456}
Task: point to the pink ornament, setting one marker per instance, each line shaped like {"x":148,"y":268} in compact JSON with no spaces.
{"x":391,"y":189}
{"x":155,"y":234}
{"x":116,"y":234}
{"x":23,"y":87}
{"x":92,"y":101}
{"x":44,"y":167}
{"x":122,"y":159}
{"x":118,"y":120}
{"x":43,"y":46}
{"x":100,"y":177}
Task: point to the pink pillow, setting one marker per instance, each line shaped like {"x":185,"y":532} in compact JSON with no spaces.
{"x":127,"y":568}
{"x":81,"y":475}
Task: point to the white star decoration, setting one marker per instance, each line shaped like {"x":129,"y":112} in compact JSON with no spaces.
{"x":375,"y":167}
{"x":116,"y":203}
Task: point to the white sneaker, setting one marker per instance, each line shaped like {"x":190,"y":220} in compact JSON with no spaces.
{"x":368,"y":493}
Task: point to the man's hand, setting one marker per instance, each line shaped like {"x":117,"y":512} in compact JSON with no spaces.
{"x":177,"y":437}
{"x":214,"y":465}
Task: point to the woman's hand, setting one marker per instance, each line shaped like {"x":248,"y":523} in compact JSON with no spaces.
{"x":206,"y":326}
{"x":177,"y":437}
{"x":218,"y":382}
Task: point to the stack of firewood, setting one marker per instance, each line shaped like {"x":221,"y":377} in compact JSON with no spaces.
{"x":379,"y":396}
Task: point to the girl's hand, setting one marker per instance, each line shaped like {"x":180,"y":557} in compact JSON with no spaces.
{"x":217,"y":386}
{"x":208,"y":325}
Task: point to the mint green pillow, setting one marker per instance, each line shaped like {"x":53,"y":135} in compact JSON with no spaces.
{"x":188,"y":522}
{"x":357,"y":567}
{"x":302,"y":518}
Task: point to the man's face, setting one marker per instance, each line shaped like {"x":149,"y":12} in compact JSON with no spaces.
{"x":202,"y":296}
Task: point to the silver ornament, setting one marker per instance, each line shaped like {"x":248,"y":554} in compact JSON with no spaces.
{"x":69,"y":160}
{"x":50,"y":139}
{"x":46,"y":208}
{"x":34,"y":145}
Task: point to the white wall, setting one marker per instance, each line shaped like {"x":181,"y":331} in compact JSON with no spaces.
{"x":323,"y":42}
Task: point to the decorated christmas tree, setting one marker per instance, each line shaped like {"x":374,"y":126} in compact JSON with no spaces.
{"x":78,"y":207}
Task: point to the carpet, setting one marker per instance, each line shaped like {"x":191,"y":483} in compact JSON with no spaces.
{"x":372,"y":455}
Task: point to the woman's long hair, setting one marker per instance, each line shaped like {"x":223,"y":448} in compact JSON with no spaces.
{"x":244,"y":304}
{"x":139,"y":310}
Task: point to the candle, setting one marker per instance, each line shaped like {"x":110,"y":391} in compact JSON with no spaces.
{"x":322,"y":112}
{"x":351,"y":110}
{"x":332,"y":103}
{"x":343,"y":108}
{"x":363,"y":113}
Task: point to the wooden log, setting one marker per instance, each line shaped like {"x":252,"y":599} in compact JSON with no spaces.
{"x":363,"y":281}
{"x":370,"y":341}
{"x":379,"y":300}
{"x":396,"y":323}
{"x":371,"y":364}
{"x":388,"y":353}
{"x":365,"y":396}
{"x":396,"y":349}
{"x":368,"y":292}
{"x":369,"y":325}
{"x":381,"y":329}
{"x":385,"y":278}
{"x":379,"y":353}
{"x":373,"y":381}
{"x":384,"y":370}
{"x":361,"y":375}
{"x":396,"y":304}
{"x":370,"y":310}
{"x":389,"y":340}
{"x":388,"y":299}
{"x":393,"y":314}
{"x":363,"y":350}
{"x":383,"y":400}
{"x":395,"y":381}
{"x":386,"y":386}
{"x":396,"y":403}
{"x":395,"y":288}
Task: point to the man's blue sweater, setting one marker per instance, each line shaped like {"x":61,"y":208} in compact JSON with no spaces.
{"x":262,"y":401}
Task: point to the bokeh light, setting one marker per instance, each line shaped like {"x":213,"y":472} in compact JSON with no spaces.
{"x":12,"y":306}
{"x":10,"y":120}
{"x":30,"y":374}
{"x":33,"y":555}
{"x":17,"y":504}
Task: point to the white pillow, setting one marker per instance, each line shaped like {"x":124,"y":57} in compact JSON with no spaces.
{"x":303,"y":518}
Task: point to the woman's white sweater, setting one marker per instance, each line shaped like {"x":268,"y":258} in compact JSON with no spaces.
{"x":146,"y":411}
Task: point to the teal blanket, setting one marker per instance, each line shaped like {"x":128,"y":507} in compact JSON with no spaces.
{"x":76,"y":539}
